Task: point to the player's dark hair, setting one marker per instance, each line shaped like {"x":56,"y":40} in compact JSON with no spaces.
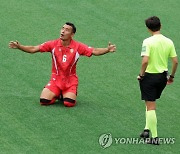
{"x":72,"y":25}
{"x":153,"y":23}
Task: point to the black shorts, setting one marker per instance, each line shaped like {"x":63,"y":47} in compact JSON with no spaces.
{"x":152,"y":85}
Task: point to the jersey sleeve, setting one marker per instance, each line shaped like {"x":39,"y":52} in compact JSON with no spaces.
{"x":85,"y":50}
{"x":145,"y":49}
{"x":46,"y":46}
{"x":173,"y":51}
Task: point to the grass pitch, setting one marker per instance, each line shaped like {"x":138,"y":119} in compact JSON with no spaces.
{"x":108,"y":96}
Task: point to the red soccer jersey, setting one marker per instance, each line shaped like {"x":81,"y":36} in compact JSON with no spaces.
{"x":64,"y":59}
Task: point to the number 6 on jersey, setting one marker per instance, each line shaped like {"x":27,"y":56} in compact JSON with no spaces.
{"x":64,"y":58}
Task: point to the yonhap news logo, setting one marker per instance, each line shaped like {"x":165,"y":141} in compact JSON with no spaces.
{"x":106,"y":140}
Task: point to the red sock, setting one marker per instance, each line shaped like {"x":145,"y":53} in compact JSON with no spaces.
{"x":69,"y":104}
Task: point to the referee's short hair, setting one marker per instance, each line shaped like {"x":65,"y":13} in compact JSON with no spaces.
{"x":72,"y":25}
{"x":153,"y":23}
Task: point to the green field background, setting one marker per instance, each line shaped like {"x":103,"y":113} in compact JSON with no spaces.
{"x":108,"y":96}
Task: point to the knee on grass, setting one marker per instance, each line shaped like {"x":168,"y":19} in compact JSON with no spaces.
{"x":44,"y":101}
{"x":68,"y":102}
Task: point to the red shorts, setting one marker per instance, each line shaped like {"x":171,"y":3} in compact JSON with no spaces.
{"x":61,"y":85}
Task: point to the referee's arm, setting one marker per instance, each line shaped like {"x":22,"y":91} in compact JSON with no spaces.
{"x":144,"y":65}
{"x":174,"y":65}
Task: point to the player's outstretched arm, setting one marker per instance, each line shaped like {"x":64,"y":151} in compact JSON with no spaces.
{"x":102,"y":51}
{"x":28,"y":49}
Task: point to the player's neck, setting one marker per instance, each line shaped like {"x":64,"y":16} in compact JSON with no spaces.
{"x":65,"y":42}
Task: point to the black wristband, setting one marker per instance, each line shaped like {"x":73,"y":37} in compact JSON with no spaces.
{"x":141,"y":76}
{"x":171,"y":76}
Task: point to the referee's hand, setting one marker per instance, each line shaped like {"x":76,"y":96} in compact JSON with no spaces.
{"x":139,"y":77}
{"x":170,"y":80}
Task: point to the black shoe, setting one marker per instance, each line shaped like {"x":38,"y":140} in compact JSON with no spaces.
{"x":154,"y":141}
{"x":145,"y":134}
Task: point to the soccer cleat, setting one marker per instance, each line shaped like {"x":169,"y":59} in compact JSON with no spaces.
{"x":145,"y":133}
{"x":154,"y":141}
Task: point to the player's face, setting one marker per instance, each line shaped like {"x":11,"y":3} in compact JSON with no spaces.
{"x":66,"y":33}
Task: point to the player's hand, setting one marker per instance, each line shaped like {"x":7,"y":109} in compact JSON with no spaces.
{"x":14,"y":44}
{"x":111,"y":47}
{"x":170,"y":80}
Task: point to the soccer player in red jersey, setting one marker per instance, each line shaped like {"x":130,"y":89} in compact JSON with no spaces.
{"x":65,"y":53}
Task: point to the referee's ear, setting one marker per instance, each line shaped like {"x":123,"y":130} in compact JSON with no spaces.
{"x":150,"y":31}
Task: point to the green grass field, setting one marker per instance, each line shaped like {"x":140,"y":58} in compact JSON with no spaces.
{"x":108,"y":96}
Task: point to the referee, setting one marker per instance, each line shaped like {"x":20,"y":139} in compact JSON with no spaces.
{"x":153,"y":75}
